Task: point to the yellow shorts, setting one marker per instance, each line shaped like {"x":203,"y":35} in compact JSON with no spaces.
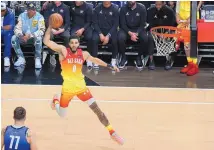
{"x":82,"y":95}
{"x":69,"y":90}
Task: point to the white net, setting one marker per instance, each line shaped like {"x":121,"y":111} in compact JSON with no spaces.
{"x":165,"y":44}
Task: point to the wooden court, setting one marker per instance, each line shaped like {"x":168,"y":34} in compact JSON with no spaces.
{"x":147,"y":118}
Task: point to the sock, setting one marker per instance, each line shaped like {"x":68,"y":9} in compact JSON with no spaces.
{"x":189,"y":59}
{"x":60,"y":111}
{"x":57,"y":107}
{"x":110,"y":129}
{"x":56,"y":103}
{"x":194,"y":60}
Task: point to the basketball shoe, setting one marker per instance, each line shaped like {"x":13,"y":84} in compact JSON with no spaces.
{"x":117,"y":138}
{"x":54,"y":102}
{"x":187,"y":68}
{"x":192,"y":71}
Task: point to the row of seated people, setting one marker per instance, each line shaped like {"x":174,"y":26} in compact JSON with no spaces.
{"x":104,"y":24}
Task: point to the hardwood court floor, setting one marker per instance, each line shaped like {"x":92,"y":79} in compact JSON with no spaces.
{"x":143,"y":125}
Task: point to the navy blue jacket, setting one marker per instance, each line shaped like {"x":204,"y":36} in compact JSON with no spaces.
{"x":82,"y":15}
{"x":133,"y":20}
{"x":106,"y":19}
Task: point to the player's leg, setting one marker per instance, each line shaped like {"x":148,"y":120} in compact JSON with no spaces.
{"x":60,"y":103}
{"x":186,"y":39}
{"x":88,"y":98}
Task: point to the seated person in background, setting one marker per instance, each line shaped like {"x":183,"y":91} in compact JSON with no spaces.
{"x":132,"y":27}
{"x":7,"y":26}
{"x":29,"y":30}
{"x":183,"y":9}
{"x":105,"y":22}
{"x":64,"y":31}
{"x":158,"y":15}
{"x":81,"y":15}
{"x":172,"y":4}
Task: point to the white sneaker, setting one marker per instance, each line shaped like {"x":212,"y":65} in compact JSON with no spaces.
{"x":21,"y":61}
{"x":6,"y":62}
{"x":113,"y":62}
{"x":38,"y":64}
{"x":96,"y":67}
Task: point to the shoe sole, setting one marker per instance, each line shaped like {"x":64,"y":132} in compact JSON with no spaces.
{"x":139,"y":68}
{"x":120,"y":141}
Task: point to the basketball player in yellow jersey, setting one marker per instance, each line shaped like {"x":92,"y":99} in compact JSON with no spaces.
{"x":183,"y":10}
{"x":71,"y":60}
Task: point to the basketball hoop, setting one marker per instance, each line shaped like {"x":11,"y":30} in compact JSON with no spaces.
{"x":165,"y":38}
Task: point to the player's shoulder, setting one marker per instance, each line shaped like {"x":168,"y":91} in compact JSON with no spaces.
{"x":85,"y":54}
{"x":4,"y":129}
{"x":29,"y":132}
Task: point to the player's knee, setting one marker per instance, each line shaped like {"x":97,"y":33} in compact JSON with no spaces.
{"x":90,"y":101}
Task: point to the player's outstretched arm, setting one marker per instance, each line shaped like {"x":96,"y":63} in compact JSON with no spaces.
{"x":98,"y":61}
{"x":51,"y":44}
{"x":31,"y":137}
{"x":2,"y":138}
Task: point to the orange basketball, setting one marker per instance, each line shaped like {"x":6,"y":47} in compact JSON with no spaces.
{"x":56,"y":20}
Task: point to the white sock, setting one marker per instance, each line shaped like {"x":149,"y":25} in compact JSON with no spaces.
{"x":60,"y":110}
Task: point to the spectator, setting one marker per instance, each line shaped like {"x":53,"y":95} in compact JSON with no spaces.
{"x":81,"y":15}
{"x":132,"y":26}
{"x":158,"y":15}
{"x":119,"y":3}
{"x":62,"y":9}
{"x":63,"y":33}
{"x":105,"y":23}
{"x":147,"y":4}
{"x":7,"y":26}
{"x":29,"y":29}
{"x":172,"y":5}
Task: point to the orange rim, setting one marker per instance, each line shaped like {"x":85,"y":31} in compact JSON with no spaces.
{"x":177,"y":34}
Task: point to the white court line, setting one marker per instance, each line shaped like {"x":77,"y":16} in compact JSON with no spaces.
{"x":159,"y":88}
{"x":118,"y":101}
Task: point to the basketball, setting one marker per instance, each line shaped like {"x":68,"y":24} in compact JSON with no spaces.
{"x":56,"y":20}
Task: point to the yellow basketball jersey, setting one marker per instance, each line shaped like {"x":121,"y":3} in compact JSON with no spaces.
{"x":72,"y":72}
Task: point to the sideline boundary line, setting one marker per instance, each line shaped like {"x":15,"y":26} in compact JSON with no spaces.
{"x":118,"y":101}
{"x":160,"y":88}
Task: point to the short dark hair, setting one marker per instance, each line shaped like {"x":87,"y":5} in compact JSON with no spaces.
{"x":74,"y":37}
{"x":19,"y":113}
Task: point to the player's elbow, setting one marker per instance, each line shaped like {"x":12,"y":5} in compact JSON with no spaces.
{"x":45,"y":41}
